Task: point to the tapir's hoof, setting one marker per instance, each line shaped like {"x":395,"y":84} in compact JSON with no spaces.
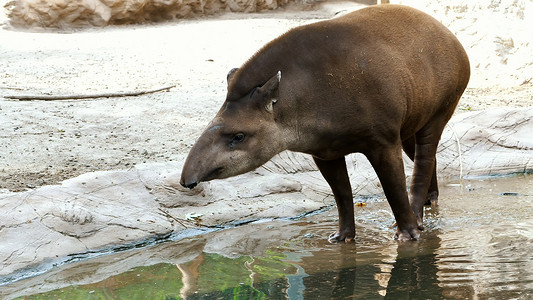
{"x":338,"y":237}
{"x":420,"y":223}
{"x":432,"y":199}
{"x":420,"y":226}
{"x":407,"y":235}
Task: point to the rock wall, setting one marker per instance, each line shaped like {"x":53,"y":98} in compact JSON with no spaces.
{"x":82,"y":13}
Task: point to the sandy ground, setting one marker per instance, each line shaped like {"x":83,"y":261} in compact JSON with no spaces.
{"x":45,"y":142}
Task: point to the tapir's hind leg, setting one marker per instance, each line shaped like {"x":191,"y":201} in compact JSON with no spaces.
{"x":424,"y":172}
{"x":433,"y":192}
{"x":388,"y":164}
{"x":408,"y":146}
{"x":335,"y":173}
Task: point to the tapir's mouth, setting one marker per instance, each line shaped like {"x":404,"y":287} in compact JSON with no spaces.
{"x":213,"y":174}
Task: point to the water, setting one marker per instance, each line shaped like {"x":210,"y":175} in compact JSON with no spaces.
{"x":478,"y":244}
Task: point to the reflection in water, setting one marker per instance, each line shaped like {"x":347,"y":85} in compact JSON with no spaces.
{"x":405,"y":271}
{"x":296,"y":281}
{"x":477,"y":245}
{"x":414,"y":272}
{"x":190,"y":274}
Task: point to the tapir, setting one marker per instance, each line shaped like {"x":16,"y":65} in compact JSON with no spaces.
{"x":374,"y":81}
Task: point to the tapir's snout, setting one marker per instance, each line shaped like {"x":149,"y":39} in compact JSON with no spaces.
{"x":189,"y":179}
{"x":202,"y":161}
{"x":195,"y":172}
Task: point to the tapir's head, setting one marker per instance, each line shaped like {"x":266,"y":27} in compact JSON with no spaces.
{"x":242,"y":136}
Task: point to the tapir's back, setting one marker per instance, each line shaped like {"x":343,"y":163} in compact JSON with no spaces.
{"x":389,"y":55}
{"x":395,"y":40}
{"x":405,"y":61}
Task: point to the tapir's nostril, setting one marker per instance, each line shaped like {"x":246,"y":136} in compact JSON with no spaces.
{"x":190,"y":186}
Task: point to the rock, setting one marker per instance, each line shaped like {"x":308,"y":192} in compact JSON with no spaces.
{"x":91,"y":211}
{"x":491,"y":142}
{"x":82,"y":13}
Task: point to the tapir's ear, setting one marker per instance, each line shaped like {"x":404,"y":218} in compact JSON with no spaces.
{"x":231,"y":73}
{"x":270,"y":91}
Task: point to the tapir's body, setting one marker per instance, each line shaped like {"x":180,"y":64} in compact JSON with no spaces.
{"x":373,"y":81}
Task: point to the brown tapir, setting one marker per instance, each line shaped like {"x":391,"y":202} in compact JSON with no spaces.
{"x":372,"y":81}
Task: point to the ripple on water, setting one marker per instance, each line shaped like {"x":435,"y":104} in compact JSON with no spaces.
{"x":490,"y":259}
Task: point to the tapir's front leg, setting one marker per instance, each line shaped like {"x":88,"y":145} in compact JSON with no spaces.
{"x":335,"y":173}
{"x":388,"y":164}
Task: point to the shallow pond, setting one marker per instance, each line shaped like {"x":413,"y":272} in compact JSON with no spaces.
{"x":477,"y":244}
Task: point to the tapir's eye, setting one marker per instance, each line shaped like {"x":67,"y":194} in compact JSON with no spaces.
{"x":239,"y":137}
